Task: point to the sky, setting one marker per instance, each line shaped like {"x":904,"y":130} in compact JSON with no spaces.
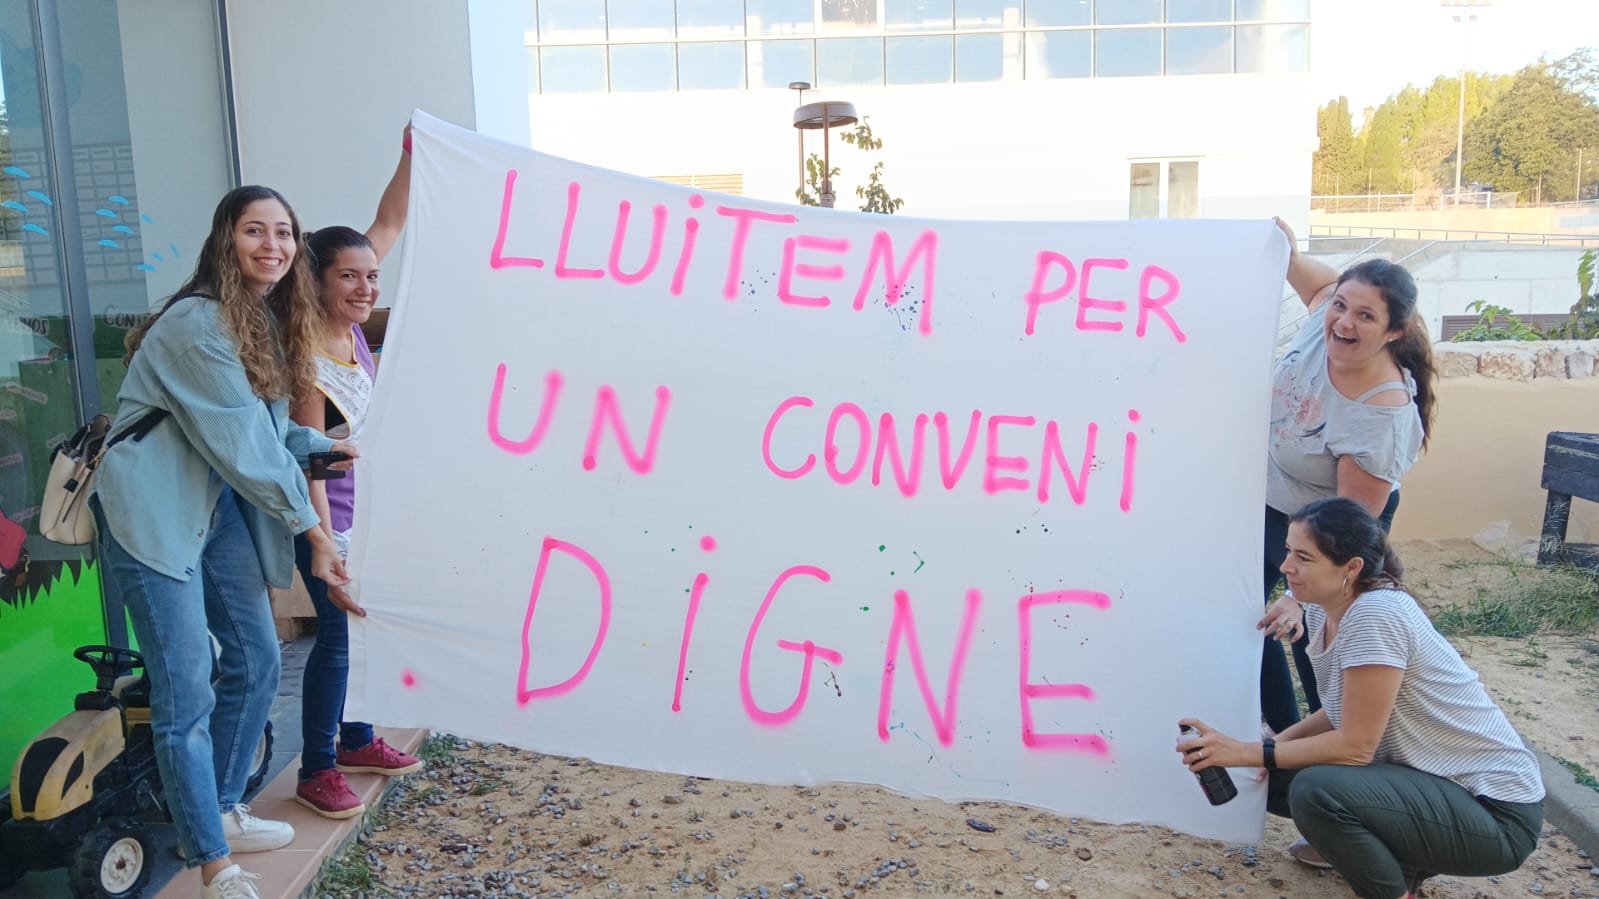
{"x":1369,"y":49}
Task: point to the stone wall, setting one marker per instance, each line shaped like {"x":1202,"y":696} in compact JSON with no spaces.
{"x":1518,"y":360}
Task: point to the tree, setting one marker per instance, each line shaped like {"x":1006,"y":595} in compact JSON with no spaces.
{"x":873,"y":193}
{"x":1530,"y":140}
{"x":1333,"y":165}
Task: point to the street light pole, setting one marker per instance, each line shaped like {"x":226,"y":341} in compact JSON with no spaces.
{"x":801,"y":87}
{"x":1463,"y":19}
{"x":824,"y":116}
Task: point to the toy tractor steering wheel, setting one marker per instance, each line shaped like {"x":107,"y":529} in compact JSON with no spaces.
{"x":109,"y":662}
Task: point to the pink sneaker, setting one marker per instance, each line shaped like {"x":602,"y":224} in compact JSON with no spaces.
{"x":377,"y":757}
{"x":327,"y":794}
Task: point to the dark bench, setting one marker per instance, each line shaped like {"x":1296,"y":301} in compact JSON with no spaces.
{"x":1570,"y":469}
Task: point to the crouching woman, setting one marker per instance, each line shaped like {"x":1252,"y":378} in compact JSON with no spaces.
{"x":1409,"y":769}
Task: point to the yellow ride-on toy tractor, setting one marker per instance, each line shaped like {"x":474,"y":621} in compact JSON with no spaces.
{"x":85,"y":793}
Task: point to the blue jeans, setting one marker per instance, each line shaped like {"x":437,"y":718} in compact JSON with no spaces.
{"x":327,"y":675}
{"x":205,"y":730}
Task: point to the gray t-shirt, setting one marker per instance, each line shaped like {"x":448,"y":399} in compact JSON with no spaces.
{"x":1312,"y":425}
{"x":1443,"y":722}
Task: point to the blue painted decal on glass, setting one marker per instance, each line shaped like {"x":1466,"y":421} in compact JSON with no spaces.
{"x":158,"y":257}
{"x":146,"y":219}
{"x":122,"y":229}
{"x":13,"y":170}
{"x":109,"y":243}
{"x":106,"y":212}
{"x":37,"y":229}
{"x":13,"y":204}
{"x":145,"y":268}
{"x":118,"y":199}
{"x":41,"y":198}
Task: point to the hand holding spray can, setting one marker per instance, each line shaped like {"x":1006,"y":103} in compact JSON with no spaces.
{"x":1216,"y":782}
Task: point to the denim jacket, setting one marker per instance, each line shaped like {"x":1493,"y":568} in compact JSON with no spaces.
{"x":158,"y":493}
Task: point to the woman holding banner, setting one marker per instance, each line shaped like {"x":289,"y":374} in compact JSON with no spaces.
{"x":345,"y":264}
{"x":1352,"y":404}
{"x":196,"y":516}
{"x":1408,"y":769}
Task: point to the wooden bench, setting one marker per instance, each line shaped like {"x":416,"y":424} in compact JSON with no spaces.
{"x":1570,"y":469}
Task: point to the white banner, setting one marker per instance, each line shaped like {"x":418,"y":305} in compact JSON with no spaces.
{"x":696,"y":483}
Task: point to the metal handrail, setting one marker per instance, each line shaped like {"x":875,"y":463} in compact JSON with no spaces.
{"x":1462,"y":235}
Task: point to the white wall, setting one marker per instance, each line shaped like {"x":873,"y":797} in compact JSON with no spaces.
{"x":1522,"y":280}
{"x":1010,"y":150}
{"x":177,"y":126}
{"x":323,"y":89}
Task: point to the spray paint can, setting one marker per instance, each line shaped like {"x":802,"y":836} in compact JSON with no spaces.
{"x":1216,"y":782}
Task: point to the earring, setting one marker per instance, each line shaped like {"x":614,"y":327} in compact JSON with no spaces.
{"x":1346,"y":582}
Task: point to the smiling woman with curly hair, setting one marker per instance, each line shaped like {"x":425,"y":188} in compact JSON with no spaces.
{"x":197,"y":515}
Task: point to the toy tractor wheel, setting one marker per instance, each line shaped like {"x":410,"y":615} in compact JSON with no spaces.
{"x":260,"y":762}
{"x":112,"y":862}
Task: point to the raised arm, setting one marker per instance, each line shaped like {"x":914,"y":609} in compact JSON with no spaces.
{"x":390,"y":219}
{"x":1312,"y":279}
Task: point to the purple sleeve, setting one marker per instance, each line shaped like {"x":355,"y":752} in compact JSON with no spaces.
{"x":363,"y":353}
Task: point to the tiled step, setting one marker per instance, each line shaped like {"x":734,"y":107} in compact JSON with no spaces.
{"x":287,"y":873}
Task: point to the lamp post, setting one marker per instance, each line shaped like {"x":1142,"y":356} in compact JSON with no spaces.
{"x":1463,"y":18}
{"x":823,"y":116}
{"x":801,"y":87}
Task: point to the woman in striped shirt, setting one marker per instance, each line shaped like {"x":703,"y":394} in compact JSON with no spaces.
{"x":1408,"y":769}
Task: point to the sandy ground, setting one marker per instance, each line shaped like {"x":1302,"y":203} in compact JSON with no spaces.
{"x":496,"y":821}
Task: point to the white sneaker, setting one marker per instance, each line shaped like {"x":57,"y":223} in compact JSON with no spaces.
{"x":231,"y":883}
{"x":247,"y":833}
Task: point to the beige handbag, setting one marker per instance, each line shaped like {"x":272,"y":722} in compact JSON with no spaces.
{"x":64,"y":515}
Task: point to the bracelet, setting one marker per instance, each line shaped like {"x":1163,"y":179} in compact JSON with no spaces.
{"x":1268,"y":753}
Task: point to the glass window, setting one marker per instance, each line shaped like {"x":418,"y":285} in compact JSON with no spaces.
{"x":979,"y":57}
{"x":918,"y":15}
{"x":849,"y":15}
{"x":711,"y":66}
{"x":1199,"y":10}
{"x":849,"y":60}
{"x":1127,"y":51}
{"x":1273,"y":10}
{"x":571,"y":21}
{"x":1127,"y":12}
{"x":710,"y":18}
{"x":572,"y":70}
{"x":779,"y":63}
{"x":1059,"y":54}
{"x":1273,"y":48}
{"x":530,"y":21}
{"x":781,"y":16}
{"x":1182,"y":190}
{"x":643,"y":67}
{"x":640,"y":22}
{"x":1143,"y":191}
{"x":988,"y":13}
{"x":921,"y":60}
{"x":532,"y":70}
{"x":1199,"y":51}
{"x":1046,"y":13}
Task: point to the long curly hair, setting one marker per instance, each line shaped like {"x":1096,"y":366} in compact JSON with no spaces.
{"x":276,"y":335}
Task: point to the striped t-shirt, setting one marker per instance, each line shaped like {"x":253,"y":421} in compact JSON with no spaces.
{"x":1443,"y":721}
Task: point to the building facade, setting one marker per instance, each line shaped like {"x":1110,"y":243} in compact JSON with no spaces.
{"x":124,"y":121}
{"x":1000,"y":109}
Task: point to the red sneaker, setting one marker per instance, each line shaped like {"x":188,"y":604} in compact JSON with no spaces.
{"x":327,"y":794}
{"x":377,"y":757}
